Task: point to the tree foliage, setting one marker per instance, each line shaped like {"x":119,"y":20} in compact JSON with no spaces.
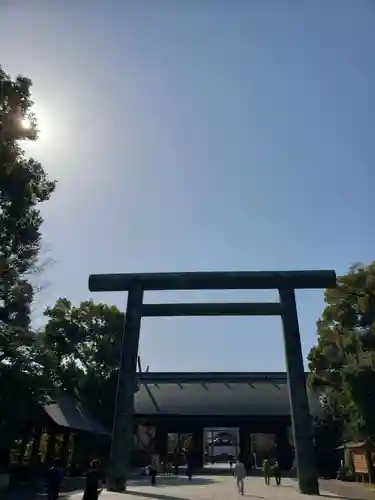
{"x":343,"y":361}
{"x":81,"y":348}
{"x":78,"y":349}
{"x":23,"y":186}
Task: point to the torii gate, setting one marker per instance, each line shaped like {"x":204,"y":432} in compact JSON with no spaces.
{"x":286,"y":282}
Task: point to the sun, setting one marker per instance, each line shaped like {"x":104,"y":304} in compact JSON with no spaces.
{"x":36,"y":130}
{"x":25,"y":123}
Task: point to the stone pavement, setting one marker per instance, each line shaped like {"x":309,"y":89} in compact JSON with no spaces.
{"x":207,"y":488}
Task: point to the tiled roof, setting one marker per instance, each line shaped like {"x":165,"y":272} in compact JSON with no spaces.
{"x":65,"y":411}
{"x":215,"y":394}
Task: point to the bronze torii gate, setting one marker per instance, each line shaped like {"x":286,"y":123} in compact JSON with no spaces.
{"x":286,"y":282}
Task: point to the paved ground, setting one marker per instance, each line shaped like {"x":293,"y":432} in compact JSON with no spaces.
{"x":206,"y":488}
{"x":349,"y":491}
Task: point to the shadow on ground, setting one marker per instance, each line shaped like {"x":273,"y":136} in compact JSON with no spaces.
{"x":25,"y":492}
{"x":157,"y":496}
{"x":332,"y":488}
{"x":339,"y":491}
{"x":334,"y":495}
{"x":165,"y":481}
{"x":171,"y":481}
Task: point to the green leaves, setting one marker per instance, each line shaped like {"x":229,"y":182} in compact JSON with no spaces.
{"x":23,"y":186}
{"x":343,"y":361}
{"x":23,"y":182}
{"x":82,"y":352}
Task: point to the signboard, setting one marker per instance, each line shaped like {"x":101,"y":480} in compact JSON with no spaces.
{"x":360,"y":461}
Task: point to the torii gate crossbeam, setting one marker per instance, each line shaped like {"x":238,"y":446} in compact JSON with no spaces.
{"x":286,"y":282}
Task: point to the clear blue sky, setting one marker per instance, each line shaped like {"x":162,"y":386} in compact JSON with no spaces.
{"x":201,"y":135}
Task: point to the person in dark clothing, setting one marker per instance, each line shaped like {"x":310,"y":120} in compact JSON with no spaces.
{"x":277,"y":473}
{"x":153,"y":471}
{"x":266,"y":467}
{"x":189,"y":470}
{"x":37,"y":471}
{"x":93,"y":482}
{"x":153,"y":474}
{"x":55,"y":475}
{"x":176,"y":460}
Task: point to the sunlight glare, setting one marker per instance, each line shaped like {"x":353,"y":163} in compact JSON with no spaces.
{"x":42,"y":128}
{"x":25,"y":123}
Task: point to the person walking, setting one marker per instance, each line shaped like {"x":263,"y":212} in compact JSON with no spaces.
{"x":266,"y":468}
{"x":189,"y":469}
{"x":176,"y":463}
{"x":55,"y":475}
{"x":93,"y":482}
{"x":277,"y":472}
{"x":37,"y":471}
{"x":239,"y":473}
{"x":153,"y":472}
{"x":176,"y":460}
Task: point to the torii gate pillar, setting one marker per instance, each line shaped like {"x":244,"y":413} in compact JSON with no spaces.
{"x":286,"y":282}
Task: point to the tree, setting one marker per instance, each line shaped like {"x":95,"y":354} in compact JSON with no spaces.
{"x":82,"y":347}
{"x":327,"y":437}
{"x":343,"y":361}
{"x":23,"y":186}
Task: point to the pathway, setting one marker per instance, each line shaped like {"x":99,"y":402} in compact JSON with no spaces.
{"x":206,"y":488}
{"x":211,"y":488}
